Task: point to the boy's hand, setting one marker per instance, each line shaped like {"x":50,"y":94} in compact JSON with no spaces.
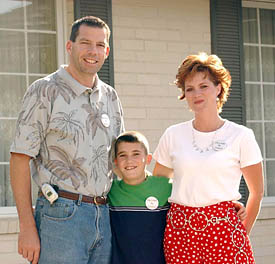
{"x":241,"y":210}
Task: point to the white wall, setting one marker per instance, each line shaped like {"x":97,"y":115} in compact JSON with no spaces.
{"x":151,"y":38}
{"x":263,"y":236}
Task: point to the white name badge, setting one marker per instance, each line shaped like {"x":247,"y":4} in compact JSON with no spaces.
{"x":219,"y":145}
{"x":152,"y":203}
{"x":105,"y":120}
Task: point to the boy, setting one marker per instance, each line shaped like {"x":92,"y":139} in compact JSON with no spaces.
{"x":138,"y":204}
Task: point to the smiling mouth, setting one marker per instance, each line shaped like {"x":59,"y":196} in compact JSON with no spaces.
{"x":90,"y":61}
{"x":130,"y":168}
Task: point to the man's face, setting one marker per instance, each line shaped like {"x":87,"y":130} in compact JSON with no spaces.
{"x":89,"y":51}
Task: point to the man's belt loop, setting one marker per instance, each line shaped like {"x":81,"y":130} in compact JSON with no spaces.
{"x":95,"y":201}
{"x":79,"y":200}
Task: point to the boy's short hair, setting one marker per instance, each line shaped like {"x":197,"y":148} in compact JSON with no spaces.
{"x":131,"y":137}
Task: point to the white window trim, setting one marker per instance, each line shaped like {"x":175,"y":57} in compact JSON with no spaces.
{"x":8,"y":211}
{"x":61,"y":30}
{"x":61,"y":36}
{"x":268,"y":201}
{"x":266,"y":4}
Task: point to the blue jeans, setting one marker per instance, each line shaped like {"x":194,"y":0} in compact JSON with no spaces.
{"x":73,"y":232}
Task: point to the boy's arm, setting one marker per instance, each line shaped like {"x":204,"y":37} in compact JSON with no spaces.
{"x":28,"y":240}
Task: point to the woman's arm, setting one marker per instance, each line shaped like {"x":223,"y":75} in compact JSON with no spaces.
{"x":253,"y":176}
{"x":161,"y":170}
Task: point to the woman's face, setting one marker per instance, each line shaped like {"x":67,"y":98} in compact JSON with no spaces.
{"x":201,"y":93}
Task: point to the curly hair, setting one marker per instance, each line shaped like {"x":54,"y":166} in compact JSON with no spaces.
{"x":212,"y":66}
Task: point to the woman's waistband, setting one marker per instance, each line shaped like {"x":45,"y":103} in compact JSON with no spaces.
{"x":218,"y":208}
{"x":198,"y":218}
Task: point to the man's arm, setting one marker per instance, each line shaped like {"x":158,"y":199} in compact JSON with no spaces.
{"x":28,"y":240}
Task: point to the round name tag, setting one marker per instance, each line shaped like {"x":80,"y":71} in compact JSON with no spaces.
{"x":152,"y":203}
{"x":219,"y":145}
{"x":105,"y":120}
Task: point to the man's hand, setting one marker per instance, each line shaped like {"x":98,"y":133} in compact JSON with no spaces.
{"x":29,"y":244}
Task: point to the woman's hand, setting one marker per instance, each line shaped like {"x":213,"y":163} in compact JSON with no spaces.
{"x":241,"y":210}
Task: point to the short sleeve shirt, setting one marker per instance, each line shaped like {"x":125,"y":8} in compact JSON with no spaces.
{"x":208,"y":177}
{"x":68,"y":129}
{"x":138,"y":219}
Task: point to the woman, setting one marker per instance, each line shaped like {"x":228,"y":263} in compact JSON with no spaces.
{"x":206,"y":157}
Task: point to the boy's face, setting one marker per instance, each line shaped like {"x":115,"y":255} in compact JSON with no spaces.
{"x":131,"y":161}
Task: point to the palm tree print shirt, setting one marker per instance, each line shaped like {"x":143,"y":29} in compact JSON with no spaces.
{"x":68,"y":129}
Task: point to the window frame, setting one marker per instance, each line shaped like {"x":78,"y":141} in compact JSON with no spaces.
{"x":261,"y":4}
{"x":61,"y":37}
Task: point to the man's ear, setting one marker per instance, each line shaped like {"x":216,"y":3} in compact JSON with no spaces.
{"x":107,"y":52}
{"x":148,"y":158}
{"x":69,"y":46}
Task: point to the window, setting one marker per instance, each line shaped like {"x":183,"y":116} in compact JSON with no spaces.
{"x":259,"y":61}
{"x":28,"y":51}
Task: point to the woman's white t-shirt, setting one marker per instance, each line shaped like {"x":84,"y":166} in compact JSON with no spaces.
{"x":209,"y":177}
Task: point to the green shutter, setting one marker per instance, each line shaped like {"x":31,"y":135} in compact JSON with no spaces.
{"x":103,"y":10}
{"x":227,"y":43}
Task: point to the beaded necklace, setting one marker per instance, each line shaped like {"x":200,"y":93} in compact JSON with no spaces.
{"x":214,"y":145}
{"x":199,"y":149}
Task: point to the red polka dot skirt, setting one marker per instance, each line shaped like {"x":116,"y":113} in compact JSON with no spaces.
{"x":206,"y":235}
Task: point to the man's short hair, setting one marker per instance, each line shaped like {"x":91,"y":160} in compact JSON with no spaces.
{"x":90,"y":21}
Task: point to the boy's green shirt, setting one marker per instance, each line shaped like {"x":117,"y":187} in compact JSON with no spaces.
{"x":122,"y":194}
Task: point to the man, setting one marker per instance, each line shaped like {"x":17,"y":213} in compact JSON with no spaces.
{"x":63,"y":137}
